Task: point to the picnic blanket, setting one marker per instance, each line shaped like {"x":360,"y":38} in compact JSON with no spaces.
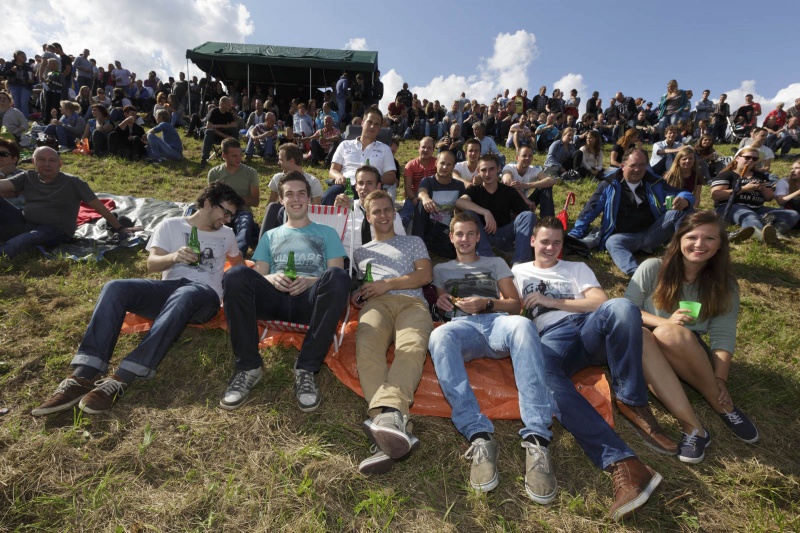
{"x":491,"y":379}
{"x":93,"y":240}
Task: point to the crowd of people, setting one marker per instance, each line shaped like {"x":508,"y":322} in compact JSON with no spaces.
{"x":463,"y":204}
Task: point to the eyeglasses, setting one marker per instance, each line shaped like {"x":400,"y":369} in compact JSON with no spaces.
{"x":5,"y":154}
{"x":228,"y":214}
{"x":749,"y":157}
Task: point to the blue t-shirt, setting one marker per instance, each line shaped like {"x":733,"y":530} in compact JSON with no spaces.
{"x":313,"y":246}
{"x":171,"y":137}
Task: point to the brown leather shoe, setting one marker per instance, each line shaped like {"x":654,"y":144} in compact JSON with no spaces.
{"x":105,"y":393}
{"x":634,"y":482}
{"x":643,"y":421}
{"x":69,"y":392}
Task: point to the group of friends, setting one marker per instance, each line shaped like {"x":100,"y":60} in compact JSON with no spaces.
{"x":549,"y":316}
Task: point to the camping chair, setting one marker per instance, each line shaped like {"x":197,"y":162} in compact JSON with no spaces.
{"x":335,"y":217}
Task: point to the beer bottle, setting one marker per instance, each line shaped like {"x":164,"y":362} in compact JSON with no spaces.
{"x":194,"y":245}
{"x":290,"y":271}
{"x":453,"y":297}
{"x":368,"y":274}
{"x":348,"y":190}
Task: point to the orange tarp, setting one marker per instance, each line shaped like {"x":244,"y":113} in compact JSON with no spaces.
{"x":491,"y":379}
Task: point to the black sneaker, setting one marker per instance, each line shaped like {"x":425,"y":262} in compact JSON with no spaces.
{"x":239,"y":387}
{"x":692,"y":448}
{"x":741,"y":426}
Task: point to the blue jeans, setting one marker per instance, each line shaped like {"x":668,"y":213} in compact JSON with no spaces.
{"x":17,"y":235}
{"x":265,"y":147}
{"x":622,"y":246}
{"x":745,"y":216}
{"x":515,"y":236}
{"x":407,"y":212}
{"x":667,"y":120}
{"x":171,"y":304}
{"x":243,"y":226}
{"x":611,"y":335}
{"x":66,"y":139}
{"x":21,"y":95}
{"x":248,"y":296}
{"x":329,"y":196}
{"x":494,"y":335}
{"x":157,"y":149}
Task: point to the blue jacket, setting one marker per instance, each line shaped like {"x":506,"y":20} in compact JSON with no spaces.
{"x":606,"y":198}
{"x":662,"y":105}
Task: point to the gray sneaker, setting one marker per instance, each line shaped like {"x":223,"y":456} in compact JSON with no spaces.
{"x":483,"y":475}
{"x":239,"y":387}
{"x":306,"y":390}
{"x":388,"y":432}
{"x":540,"y":483}
{"x":379,"y":462}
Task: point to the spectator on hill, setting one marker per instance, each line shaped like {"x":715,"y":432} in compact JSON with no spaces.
{"x":719,"y":117}
{"x":664,"y":151}
{"x":52,"y":199}
{"x":758,"y":138}
{"x":11,"y":118}
{"x":19,"y":76}
{"x":98,"y":129}
{"x":546,"y":134}
{"x":189,"y":291}
{"x":169,"y":145}
{"x":127,"y":139}
{"x":221,"y":124}
{"x":415,"y":171}
{"x":397,"y":114}
{"x":324,"y":142}
{"x":9,"y":159}
{"x":670,"y":106}
{"x":635,"y":218}
{"x":342,"y":89}
{"x":534,"y":184}
{"x":589,"y":158}
{"x":261,"y":136}
{"x":66,"y":129}
{"x":326,"y":111}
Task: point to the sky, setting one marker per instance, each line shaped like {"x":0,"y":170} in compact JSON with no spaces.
{"x":443,"y":48}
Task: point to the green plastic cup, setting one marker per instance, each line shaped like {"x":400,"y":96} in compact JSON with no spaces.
{"x":693,"y":307}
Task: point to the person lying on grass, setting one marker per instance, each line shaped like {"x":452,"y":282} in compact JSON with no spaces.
{"x":189,"y":291}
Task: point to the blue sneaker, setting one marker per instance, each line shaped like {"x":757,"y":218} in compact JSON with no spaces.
{"x":741,"y":426}
{"x":692,"y":448}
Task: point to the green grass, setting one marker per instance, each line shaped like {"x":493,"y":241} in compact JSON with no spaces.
{"x":166,"y":459}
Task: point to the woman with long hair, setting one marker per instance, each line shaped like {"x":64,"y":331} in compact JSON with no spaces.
{"x":670,"y":106}
{"x":588,"y":160}
{"x":629,"y":138}
{"x":98,"y":128}
{"x":685,"y":173}
{"x":706,"y":153}
{"x":739,"y":193}
{"x":69,"y":127}
{"x":695,"y":268}
{"x":787,"y":191}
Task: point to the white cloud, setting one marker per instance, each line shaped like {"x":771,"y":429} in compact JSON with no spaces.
{"x":356,"y":43}
{"x":787,"y":95}
{"x":569,"y":82}
{"x":507,"y":68}
{"x":166,"y":30}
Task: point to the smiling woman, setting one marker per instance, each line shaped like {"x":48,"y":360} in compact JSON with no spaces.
{"x":695,"y":272}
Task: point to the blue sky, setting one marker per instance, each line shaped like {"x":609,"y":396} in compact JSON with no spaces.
{"x":442,"y":48}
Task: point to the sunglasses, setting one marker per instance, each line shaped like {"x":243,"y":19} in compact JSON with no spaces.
{"x":5,"y":154}
{"x":749,"y":157}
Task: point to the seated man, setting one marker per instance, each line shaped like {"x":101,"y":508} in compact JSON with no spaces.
{"x":437,"y":196}
{"x":261,"y":137}
{"x":547,"y":133}
{"x":393,"y":310}
{"x":290,"y":159}
{"x":467,"y":170}
{"x":488,"y":146}
{"x":579,"y":326}
{"x":757,"y":139}
{"x":506,"y":221}
{"x":317,"y":296}
{"x":221,"y":124}
{"x":452,"y":142}
{"x":324,"y":142}
{"x":326,"y":111}
{"x":524,"y":177}
{"x":788,"y":137}
{"x":486,"y":323}
{"x":360,"y":231}
{"x":243,"y":180}
{"x":415,"y":170}
{"x":189,"y":291}
{"x":520,"y":134}
{"x":635,"y":217}
{"x":647,"y":132}
{"x":52,"y":201}
{"x":170,"y":146}
{"x":126,"y":139}
{"x":664,"y":151}
{"x":397,"y":116}
{"x":363,"y":150}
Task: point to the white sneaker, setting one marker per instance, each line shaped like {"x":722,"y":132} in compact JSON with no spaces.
{"x":239,"y":387}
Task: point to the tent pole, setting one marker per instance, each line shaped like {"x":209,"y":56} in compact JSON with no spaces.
{"x":188,"y":92}
{"x":309,"y":85}
{"x":249,"y":95}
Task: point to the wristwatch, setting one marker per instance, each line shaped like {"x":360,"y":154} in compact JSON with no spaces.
{"x":489,"y":305}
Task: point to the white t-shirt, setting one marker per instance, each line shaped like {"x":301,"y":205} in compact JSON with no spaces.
{"x":530,"y":174}
{"x":567,"y":280}
{"x":463,"y":170}
{"x":316,"y":186}
{"x":782,"y":187}
{"x":173,"y":233}
{"x":351,"y":155}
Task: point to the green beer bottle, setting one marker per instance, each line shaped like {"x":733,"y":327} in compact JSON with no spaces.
{"x":368,"y":274}
{"x":453,"y":297}
{"x":348,"y":190}
{"x":194,"y":245}
{"x":290,"y":271}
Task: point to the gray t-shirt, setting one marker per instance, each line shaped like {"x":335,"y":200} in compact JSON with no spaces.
{"x":392,"y":259}
{"x":316,"y":186}
{"x":53,"y":204}
{"x":478,"y":278}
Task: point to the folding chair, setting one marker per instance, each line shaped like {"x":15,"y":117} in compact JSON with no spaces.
{"x":335,"y":217}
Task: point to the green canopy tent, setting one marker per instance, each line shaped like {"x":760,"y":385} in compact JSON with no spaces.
{"x":280,"y":65}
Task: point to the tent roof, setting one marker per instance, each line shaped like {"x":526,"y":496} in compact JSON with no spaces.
{"x":280,"y":64}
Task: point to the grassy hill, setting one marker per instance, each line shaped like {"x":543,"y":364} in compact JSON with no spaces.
{"x":167,"y":459}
